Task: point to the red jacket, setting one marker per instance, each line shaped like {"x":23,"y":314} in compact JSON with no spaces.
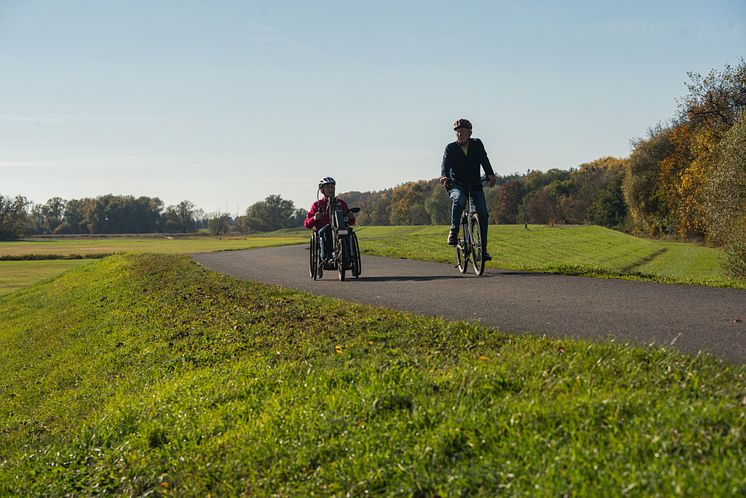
{"x":320,"y":207}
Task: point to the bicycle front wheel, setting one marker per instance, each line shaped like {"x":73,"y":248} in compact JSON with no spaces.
{"x":477,"y":248}
{"x":462,"y":248}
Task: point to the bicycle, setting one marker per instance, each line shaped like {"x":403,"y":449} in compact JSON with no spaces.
{"x":469,"y":247}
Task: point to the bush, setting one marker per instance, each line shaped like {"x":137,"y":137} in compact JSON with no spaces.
{"x":736,"y":250}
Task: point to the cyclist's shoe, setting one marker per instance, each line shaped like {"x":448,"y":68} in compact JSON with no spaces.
{"x":487,"y":256}
{"x":328,"y":264}
{"x":452,"y":239}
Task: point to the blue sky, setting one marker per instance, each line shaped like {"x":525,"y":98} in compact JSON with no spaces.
{"x":225,"y":102}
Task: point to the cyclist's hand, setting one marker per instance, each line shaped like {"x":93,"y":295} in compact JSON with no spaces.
{"x":492,"y":180}
{"x":443,"y":181}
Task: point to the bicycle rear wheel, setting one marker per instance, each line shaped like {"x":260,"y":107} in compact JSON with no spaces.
{"x":462,"y":248}
{"x":477,"y":248}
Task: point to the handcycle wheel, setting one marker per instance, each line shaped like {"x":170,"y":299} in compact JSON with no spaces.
{"x":477,"y":249}
{"x":462,"y":248}
{"x":340,"y":256}
{"x":313,"y":255}
{"x":342,"y":265}
{"x":356,"y":263}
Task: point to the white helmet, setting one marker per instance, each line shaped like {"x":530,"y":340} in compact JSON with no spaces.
{"x":327,"y":180}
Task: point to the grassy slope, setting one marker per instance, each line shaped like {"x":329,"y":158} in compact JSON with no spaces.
{"x":583,"y":250}
{"x":148,"y":373}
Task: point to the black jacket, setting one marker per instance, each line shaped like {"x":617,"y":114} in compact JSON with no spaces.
{"x":465,"y":169}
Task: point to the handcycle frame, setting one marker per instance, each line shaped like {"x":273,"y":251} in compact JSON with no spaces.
{"x":469,"y":247}
{"x":345,"y":247}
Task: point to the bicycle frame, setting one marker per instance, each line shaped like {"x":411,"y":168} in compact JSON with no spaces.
{"x":469,"y":248}
{"x":342,"y":238}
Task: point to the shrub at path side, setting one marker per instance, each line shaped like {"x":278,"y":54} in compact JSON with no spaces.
{"x":147,"y":373}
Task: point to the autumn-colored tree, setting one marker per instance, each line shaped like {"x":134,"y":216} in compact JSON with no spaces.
{"x":542,"y":207}
{"x":510,"y":195}
{"x":641,"y":184}
{"x":694,"y":178}
{"x":408,"y":204}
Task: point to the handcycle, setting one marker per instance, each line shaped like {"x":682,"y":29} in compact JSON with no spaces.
{"x":469,"y":247}
{"x":345,"y":247}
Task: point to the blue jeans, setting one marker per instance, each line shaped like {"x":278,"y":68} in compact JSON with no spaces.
{"x":325,"y":233}
{"x":458,"y":197}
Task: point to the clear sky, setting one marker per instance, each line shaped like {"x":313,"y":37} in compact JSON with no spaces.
{"x":225,"y":102}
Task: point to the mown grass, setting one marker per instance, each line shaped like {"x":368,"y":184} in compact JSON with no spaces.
{"x":115,"y":245}
{"x":577,"y":250}
{"x":571,"y":250}
{"x":26,"y":262}
{"x":145,"y":374}
{"x":19,"y":274}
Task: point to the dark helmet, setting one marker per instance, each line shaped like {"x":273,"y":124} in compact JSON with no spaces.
{"x":327,"y":180}
{"x":462,"y":123}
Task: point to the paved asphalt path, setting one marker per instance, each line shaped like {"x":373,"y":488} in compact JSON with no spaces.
{"x":689,"y":318}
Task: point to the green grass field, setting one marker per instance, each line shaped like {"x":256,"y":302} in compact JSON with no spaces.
{"x":577,"y":250}
{"x":114,"y":245}
{"x":17,"y":272}
{"x":146,"y":375}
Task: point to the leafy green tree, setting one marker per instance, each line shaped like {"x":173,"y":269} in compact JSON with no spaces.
{"x":272,"y":213}
{"x":179,"y":218}
{"x":608,"y":208}
{"x":438,"y":206}
{"x":725,"y":205}
{"x":14,"y":217}
{"x":47,"y":217}
{"x":379,"y":213}
{"x":94,"y":215}
{"x":219,"y":224}
{"x":299,"y":216}
{"x":716,"y":100}
{"x":74,"y":216}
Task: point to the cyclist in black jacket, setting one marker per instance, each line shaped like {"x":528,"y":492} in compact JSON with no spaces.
{"x":461,"y":170}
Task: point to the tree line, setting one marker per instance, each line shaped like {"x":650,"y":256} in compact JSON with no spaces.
{"x":590,"y":193}
{"x":126,"y":214}
{"x":106,"y":214}
{"x":685,"y":179}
